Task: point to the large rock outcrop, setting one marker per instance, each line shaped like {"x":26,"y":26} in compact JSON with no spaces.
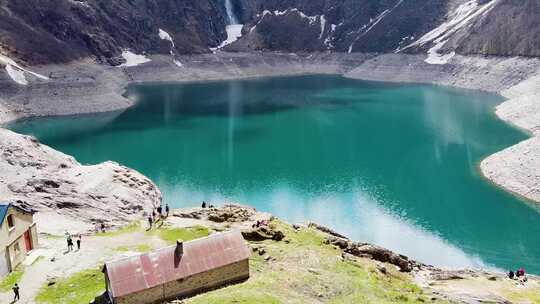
{"x":52,"y":182}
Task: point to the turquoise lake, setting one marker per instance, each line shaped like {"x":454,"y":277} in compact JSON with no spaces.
{"x":393,"y":164}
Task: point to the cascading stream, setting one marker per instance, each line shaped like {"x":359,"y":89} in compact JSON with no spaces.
{"x":230,"y":12}
{"x":233,"y":28}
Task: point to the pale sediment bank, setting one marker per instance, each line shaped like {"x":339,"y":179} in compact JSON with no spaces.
{"x":84,"y":87}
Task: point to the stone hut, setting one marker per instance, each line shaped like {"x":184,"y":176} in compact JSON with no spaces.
{"x":178,"y":271}
{"x":18,"y":235}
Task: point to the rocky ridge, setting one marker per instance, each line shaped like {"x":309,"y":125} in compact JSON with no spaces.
{"x":66,"y":193}
{"x":112,"y":31}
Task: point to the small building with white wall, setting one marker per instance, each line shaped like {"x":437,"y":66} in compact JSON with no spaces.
{"x":18,"y":235}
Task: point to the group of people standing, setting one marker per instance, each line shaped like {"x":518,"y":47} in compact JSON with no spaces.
{"x":518,"y":275}
{"x":158,"y":214}
{"x":69,"y":240}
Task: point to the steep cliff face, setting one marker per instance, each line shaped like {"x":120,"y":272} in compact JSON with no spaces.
{"x":511,"y":28}
{"x":338,"y":25}
{"x":484,"y":27}
{"x":45,"y":31}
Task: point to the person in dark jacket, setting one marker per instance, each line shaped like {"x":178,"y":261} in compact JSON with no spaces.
{"x":16,"y":295}
{"x":70,"y":243}
{"x":150,"y":222}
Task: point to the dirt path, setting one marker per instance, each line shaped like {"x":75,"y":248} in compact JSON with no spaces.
{"x":58,"y":263}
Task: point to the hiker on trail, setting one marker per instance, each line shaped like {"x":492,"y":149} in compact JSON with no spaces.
{"x":79,"y":239}
{"x":159,"y":209}
{"x":16,"y":296}
{"x":103,"y":227}
{"x":150,"y":221}
{"x":70,"y":243}
{"x":167,"y":210}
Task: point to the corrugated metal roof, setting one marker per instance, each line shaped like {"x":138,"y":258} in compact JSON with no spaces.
{"x":152,"y":269}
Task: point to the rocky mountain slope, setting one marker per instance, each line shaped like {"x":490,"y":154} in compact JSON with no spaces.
{"x":52,"y":31}
{"x":68,"y":194}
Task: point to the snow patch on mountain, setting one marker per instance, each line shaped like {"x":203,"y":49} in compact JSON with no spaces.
{"x":133,"y":59}
{"x":366,"y":28}
{"x":312,"y":19}
{"x":234,"y":32}
{"x":434,"y":57}
{"x":461,"y":17}
{"x":163,"y":35}
{"x":16,"y":72}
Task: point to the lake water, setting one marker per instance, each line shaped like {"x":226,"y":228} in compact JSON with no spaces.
{"x":386,"y":163}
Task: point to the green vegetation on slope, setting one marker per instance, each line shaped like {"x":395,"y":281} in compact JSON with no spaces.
{"x":299,"y":269}
{"x":132,"y":227}
{"x":142,"y":248}
{"x":170,"y":235}
{"x":8,"y":281}
{"x":302,"y":269}
{"x":82,"y":287}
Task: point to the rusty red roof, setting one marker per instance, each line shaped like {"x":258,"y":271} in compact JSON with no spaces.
{"x":133,"y":274}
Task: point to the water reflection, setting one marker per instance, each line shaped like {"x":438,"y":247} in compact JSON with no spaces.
{"x":356,"y":214}
{"x":391,"y":164}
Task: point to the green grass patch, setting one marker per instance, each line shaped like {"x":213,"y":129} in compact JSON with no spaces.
{"x":170,"y":235}
{"x":305,"y":270}
{"x":122,"y":249}
{"x":132,"y":227}
{"x":9,"y":280}
{"x":238,"y":297}
{"x":138,"y":248}
{"x":81,"y":287}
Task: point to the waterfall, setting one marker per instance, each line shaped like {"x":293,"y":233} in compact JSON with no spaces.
{"x":230,"y":12}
